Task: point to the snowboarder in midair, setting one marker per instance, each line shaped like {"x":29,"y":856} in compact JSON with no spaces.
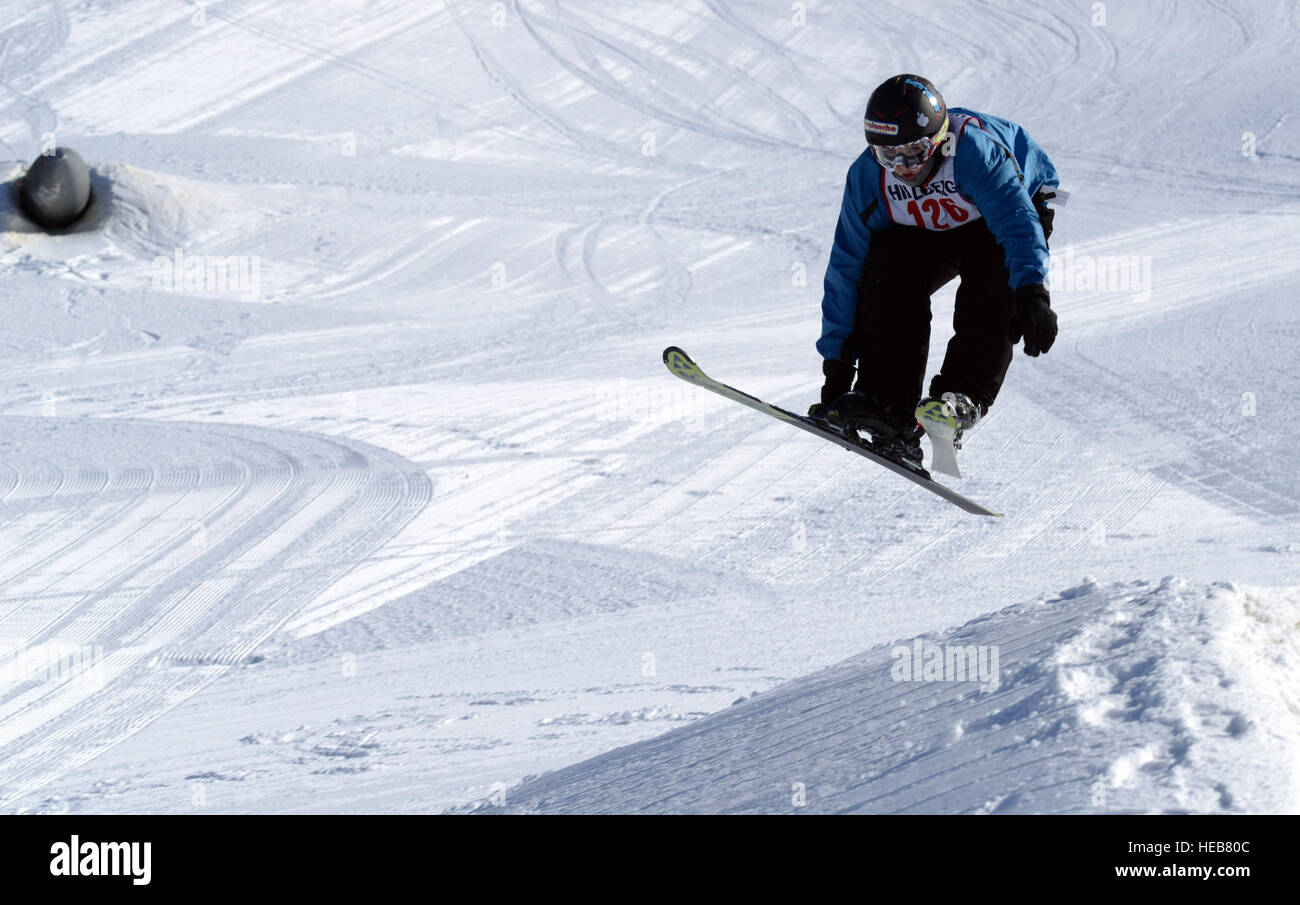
{"x":939,"y":193}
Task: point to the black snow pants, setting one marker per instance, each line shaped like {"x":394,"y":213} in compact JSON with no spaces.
{"x":891,"y":334}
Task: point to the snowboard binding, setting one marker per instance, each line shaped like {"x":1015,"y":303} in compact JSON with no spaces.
{"x":893,"y":429}
{"x":955,"y":412}
{"x":946,"y":420}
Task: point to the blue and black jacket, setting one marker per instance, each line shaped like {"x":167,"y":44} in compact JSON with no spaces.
{"x":998,"y":167}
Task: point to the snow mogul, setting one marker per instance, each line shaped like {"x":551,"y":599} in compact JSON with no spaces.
{"x":939,"y":193}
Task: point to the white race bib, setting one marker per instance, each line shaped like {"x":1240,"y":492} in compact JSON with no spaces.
{"x":937,"y":204}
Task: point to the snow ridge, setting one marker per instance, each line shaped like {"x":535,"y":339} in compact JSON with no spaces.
{"x":1121,"y":697}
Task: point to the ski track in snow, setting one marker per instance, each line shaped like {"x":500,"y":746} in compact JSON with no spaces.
{"x":438,"y":447}
{"x":173,"y":573}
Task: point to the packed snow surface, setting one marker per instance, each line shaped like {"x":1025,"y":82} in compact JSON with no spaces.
{"x":1129,"y":698}
{"x":339,"y":470}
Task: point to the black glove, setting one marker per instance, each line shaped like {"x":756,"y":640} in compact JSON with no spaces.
{"x":839,"y":379}
{"x":1034,"y":320}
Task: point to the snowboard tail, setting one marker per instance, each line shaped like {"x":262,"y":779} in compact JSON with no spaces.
{"x":683,"y":366}
{"x":941,"y":427}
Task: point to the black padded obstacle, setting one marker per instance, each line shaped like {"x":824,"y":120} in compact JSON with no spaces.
{"x":56,"y":189}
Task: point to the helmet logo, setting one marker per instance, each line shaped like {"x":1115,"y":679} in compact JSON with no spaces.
{"x":881,"y":128}
{"x":922,"y":120}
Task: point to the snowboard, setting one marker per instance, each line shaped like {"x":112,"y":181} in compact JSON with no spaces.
{"x":683,"y":366}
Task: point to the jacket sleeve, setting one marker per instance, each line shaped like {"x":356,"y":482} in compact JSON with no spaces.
{"x":848,"y":256}
{"x":988,"y":174}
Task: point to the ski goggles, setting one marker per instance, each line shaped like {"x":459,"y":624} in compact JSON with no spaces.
{"x":912,"y":154}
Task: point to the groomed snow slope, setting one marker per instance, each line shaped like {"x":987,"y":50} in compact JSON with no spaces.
{"x":417,"y":512}
{"x":1148,"y":698}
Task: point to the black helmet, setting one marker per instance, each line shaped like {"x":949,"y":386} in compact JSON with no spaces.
{"x":905,"y":109}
